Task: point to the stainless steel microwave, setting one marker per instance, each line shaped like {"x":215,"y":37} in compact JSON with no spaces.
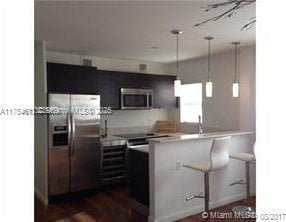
{"x":136,"y":98}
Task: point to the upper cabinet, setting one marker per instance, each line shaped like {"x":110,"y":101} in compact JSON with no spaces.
{"x":163,"y":87}
{"x":110,"y":83}
{"x":109,"y":89}
{"x":63,"y":78}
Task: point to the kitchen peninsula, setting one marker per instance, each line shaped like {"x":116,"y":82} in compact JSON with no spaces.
{"x":170,"y":184}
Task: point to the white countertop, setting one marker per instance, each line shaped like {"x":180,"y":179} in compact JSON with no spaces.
{"x":181,"y":137}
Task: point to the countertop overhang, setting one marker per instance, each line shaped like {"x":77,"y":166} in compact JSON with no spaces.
{"x":184,"y":137}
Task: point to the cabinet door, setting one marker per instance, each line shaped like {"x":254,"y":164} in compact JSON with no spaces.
{"x":109,"y":85}
{"x":138,"y":163}
{"x":136,"y":80}
{"x":164,"y":91}
{"x":64,"y":78}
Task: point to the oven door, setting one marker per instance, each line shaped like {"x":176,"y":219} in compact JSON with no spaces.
{"x":136,"y":99}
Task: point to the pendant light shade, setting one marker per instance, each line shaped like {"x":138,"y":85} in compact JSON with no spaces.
{"x":209,"y":84}
{"x":235,"y":89}
{"x":209,"y":89}
{"x":177,"y":82}
{"x":177,"y":87}
{"x":235,"y":84}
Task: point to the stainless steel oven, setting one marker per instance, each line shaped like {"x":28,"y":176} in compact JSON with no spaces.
{"x":136,"y":98}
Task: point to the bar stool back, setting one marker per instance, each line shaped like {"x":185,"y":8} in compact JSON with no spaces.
{"x":218,"y":159}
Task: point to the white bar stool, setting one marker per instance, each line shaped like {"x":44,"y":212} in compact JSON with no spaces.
{"x":218,"y":159}
{"x":247,"y":158}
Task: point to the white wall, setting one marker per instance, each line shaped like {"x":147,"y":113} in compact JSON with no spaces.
{"x":222,"y":111}
{"x":108,"y":63}
{"x":40,"y":131}
{"x":144,"y":119}
{"x":247,"y":102}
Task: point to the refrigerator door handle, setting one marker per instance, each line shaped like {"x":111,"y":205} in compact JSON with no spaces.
{"x":69,"y":132}
{"x":72,"y":133}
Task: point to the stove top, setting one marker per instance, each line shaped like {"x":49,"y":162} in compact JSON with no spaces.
{"x":136,"y":135}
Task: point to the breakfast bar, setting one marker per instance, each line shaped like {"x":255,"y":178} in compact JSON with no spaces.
{"x":170,"y":183}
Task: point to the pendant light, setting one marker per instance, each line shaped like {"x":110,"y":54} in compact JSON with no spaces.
{"x":177,"y":82}
{"x":209,"y":84}
{"x":235,"y":84}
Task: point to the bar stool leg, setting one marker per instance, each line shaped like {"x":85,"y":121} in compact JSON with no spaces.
{"x":245,"y":209}
{"x":207,"y":192}
{"x":247,"y":184}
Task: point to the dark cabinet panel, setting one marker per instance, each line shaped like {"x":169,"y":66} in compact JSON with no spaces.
{"x":110,"y":83}
{"x":135,"y":80}
{"x":63,"y":78}
{"x":109,"y":89}
{"x":163,"y":91}
{"x":139,"y":176}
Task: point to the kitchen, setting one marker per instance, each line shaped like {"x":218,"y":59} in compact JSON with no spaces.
{"x":137,"y":101}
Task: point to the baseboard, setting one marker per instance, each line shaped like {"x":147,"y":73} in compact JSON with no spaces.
{"x":195,"y":210}
{"x":41,"y":197}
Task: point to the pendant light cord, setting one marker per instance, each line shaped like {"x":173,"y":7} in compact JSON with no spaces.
{"x":209,"y":59}
{"x":177,"y":54}
{"x":235,"y":62}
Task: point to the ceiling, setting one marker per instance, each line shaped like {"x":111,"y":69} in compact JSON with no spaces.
{"x":129,"y":29}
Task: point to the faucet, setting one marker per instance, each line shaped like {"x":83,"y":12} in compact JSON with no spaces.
{"x":200,"y":125}
{"x":105,"y":128}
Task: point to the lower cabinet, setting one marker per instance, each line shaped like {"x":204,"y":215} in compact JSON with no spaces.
{"x":139,"y":176}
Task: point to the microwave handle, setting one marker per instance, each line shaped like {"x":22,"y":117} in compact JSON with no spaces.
{"x":149,"y":96}
{"x":121,"y":101}
{"x":148,"y":101}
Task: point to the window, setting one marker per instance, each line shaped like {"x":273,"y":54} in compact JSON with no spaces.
{"x":191,"y":102}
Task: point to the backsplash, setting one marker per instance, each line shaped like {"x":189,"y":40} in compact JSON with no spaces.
{"x":129,"y":120}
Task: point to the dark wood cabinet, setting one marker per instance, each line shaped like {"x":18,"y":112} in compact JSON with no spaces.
{"x":139,"y":176}
{"x":110,"y":83}
{"x":163,"y":87}
{"x":64,"y":78}
{"x":109,"y":89}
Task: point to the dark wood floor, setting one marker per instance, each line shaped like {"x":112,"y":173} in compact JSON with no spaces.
{"x":108,"y":205}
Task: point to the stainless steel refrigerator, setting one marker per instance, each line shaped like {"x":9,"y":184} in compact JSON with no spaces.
{"x":74,"y":134}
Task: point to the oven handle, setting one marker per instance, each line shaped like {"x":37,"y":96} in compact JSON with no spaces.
{"x":130,"y":146}
{"x":143,"y":148}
